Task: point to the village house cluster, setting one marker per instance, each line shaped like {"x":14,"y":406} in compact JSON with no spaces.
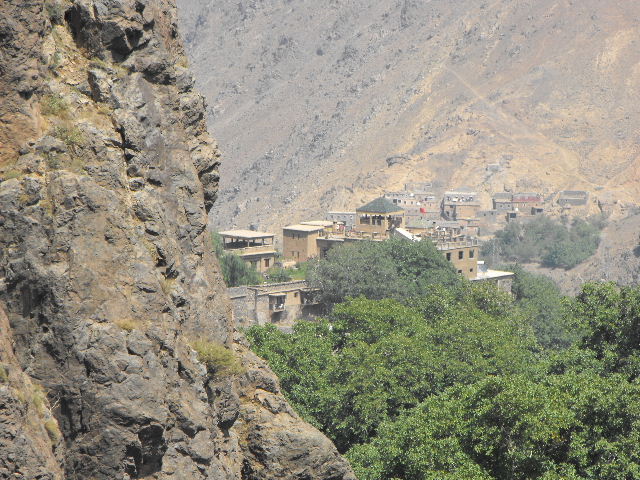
{"x":453,"y":222}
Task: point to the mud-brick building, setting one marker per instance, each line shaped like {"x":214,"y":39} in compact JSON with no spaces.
{"x":463,"y":254}
{"x":415,"y":204}
{"x":278,"y":303}
{"x":460,"y":205}
{"x":299,"y":241}
{"x":573,"y":198}
{"x":502,"y":201}
{"x":503,"y":280}
{"x":527,"y":203}
{"x":419,"y":187}
{"x":490,"y":220}
{"x":255,"y":248}
{"x":378,"y":218}
{"x":326,"y":224}
{"x":342,"y":221}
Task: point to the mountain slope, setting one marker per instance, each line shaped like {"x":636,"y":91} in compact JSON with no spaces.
{"x":321,"y":106}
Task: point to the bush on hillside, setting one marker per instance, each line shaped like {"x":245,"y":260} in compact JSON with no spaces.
{"x":219,"y":360}
{"x":546,"y":241}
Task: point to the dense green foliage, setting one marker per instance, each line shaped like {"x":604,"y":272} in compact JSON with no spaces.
{"x":391,"y":269}
{"x":371,"y":359}
{"x":578,"y":417}
{"x":235,"y":271}
{"x":469,"y":382}
{"x":571,"y":426}
{"x":459,"y":389}
{"x":278,"y":274}
{"x":546,"y":241}
{"x":543,"y":306}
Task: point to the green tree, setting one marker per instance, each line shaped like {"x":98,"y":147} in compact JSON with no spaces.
{"x":543,"y":305}
{"x":394,"y":268}
{"x":235,"y":271}
{"x":571,"y":426}
{"x":610,"y":317}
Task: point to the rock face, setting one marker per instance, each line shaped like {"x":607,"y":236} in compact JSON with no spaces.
{"x":29,"y":433}
{"x":106,"y":271}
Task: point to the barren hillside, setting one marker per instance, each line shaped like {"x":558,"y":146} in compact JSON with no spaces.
{"x":321,"y":105}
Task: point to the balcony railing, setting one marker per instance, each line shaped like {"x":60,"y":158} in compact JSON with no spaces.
{"x":252,"y":250}
{"x":457,"y":244}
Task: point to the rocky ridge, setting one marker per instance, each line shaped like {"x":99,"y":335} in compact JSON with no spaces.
{"x":106,"y":273}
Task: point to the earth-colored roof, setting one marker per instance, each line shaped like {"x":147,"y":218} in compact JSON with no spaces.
{"x":380,"y":205}
{"x":304,"y":228}
{"x":318,"y":223}
{"x":246,"y":234}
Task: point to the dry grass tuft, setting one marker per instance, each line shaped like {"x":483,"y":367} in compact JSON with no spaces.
{"x":39,"y":398}
{"x":54,"y":105}
{"x":127,"y":324}
{"x":51,"y":426}
{"x":219,"y":360}
{"x":167,"y":284}
{"x":73,"y":137}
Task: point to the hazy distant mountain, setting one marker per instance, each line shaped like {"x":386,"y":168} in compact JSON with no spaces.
{"x":322,"y":104}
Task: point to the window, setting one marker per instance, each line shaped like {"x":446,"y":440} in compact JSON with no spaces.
{"x":266,"y":262}
{"x":460,"y":254}
{"x":472,"y":253}
{"x":449,"y":256}
{"x":471,"y":270}
{"x":459,"y":271}
{"x":295,"y":294}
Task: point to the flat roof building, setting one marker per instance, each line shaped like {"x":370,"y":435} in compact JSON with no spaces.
{"x":326,"y":224}
{"x":502,"y":279}
{"x":299,"y":241}
{"x":463,"y":254}
{"x":279,"y":303}
{"x":255,"y":248}
{"x":460,"y":204}
{"x":573,"y":198}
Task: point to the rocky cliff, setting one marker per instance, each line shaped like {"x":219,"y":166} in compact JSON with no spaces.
{"x":106,"y":273}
